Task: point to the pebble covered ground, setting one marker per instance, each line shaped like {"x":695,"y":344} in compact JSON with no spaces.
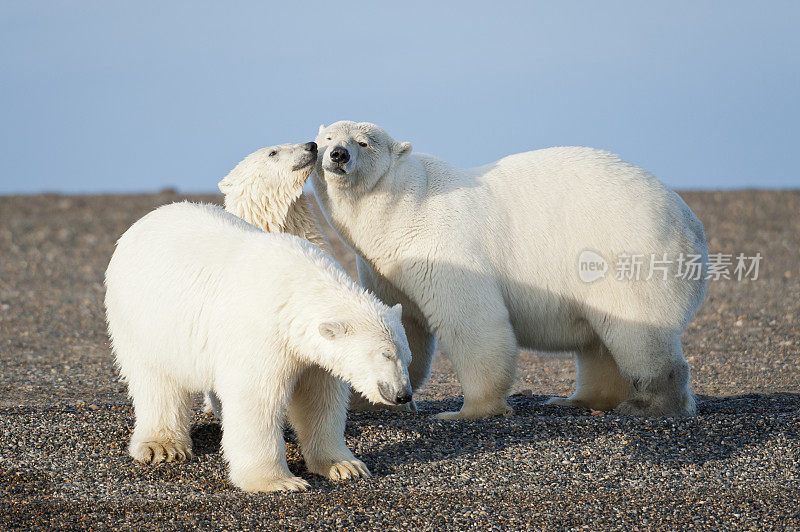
{"x":65,"y":418}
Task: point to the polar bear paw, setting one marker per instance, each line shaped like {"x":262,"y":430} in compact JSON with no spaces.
{"x":467,"y":412}
{"x":347,"y":469}
{"x":156,"y":452}
{"x":274,"y":484}
{"x":563,"y":401}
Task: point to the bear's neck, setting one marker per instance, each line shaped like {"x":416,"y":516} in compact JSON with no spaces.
{"x":370,"y":220}
{"x":272,"y":211}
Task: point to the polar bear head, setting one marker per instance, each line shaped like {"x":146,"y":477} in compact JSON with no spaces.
{"x":371,"y":353}
{"x":270,"y":180}
{"x":357,"y":154}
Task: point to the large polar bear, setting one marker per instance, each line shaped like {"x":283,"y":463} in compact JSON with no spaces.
{"x":487,"y":259}
{"x":198,"y":299}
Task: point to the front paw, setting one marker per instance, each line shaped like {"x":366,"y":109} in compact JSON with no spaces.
{"x":347,"y":469}
{"x":273,"y":484}
{"x":155,"y":452}
{"x":341,"y":470}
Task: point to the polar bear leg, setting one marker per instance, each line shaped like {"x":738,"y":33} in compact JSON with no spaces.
{"x":423,"y":346}
{"x":484,"y":354}
{"x":652,"y":362}
{"x":252,"y":437}
{"x":317,"y":413}
{"x":601,"y":386}
{"x":163,"y":410}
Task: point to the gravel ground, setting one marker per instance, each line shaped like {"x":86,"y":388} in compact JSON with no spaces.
{"x":65,"y":419}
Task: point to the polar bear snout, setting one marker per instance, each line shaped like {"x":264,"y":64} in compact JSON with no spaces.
{"x":394,"y":396}
{"x":306,"y":155}
{"x":340,"y":155}
{"x":338,"y":160}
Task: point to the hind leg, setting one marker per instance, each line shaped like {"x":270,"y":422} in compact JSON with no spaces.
{"x":651,"y":360}
{"x":163,"y":411}
{"x":601,"y":386}
{"x":317,"y":414}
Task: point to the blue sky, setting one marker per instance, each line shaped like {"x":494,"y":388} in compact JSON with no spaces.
{"x":113,"y":97}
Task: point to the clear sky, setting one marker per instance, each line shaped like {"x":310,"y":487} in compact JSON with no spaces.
{"x":111,"y":96}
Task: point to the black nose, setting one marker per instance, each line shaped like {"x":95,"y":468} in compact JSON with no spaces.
{"x":310,"y":146}
{"x":403,"y":398}
{"x":340,"y":155}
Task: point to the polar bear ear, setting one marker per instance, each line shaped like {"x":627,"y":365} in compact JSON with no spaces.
{"x":331,"y":330}
{"x":398,"y":308}
{"x":401,"y":150}
{"x":321,"y":127}
{"x":225,"y":186}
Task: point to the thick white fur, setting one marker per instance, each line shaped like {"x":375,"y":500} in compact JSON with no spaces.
{"x":486,"y":259}
{"x":198,"y":299}
{"x":266,"y":190}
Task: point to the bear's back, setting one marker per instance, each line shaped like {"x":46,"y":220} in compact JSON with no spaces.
{"x":187,"y":245}
{"x":204,"y":235}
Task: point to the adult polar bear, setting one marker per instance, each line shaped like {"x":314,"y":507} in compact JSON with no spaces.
{"x":486,"y":259}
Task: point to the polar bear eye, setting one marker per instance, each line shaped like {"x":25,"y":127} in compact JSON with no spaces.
{"x":363,"y":144}
{"x":273,"y":153}
{"x":328,"y":138}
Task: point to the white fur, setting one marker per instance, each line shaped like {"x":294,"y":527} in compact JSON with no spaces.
{"x":198,"y":299}
{"x":487,"y":260}
{"x":266,"y":190}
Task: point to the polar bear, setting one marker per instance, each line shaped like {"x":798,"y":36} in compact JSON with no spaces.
{"x":197,"y":299}
{"x":488,"y":259}
{"x":266,"y":190}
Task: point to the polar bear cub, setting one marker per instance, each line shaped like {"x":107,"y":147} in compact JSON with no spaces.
{"x":266,"y":190}
{"x":197,"y":299}
{"x":487,"y":259}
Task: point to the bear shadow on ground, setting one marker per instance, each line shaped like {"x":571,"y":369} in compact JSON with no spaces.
{"x":206,"y":438}
{"x":722,"y":427}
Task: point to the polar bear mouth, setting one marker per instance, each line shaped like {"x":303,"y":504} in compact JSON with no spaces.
{"x":305,"y":163}
{"x":336,"y":168}
{"x":391,"y":397}
{"x":386,"y":398}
